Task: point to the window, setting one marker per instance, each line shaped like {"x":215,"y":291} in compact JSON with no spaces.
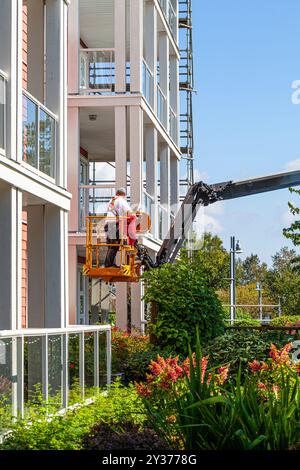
{"x":38,"y":137}
{"x":2,"y":113}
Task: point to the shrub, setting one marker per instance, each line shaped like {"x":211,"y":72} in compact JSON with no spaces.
{"x":184,"y":303}
{"x":66,"y":432}
{"x":131,"y":355}
{"x":122,"y":436}
{"x":286,"y":320}
{"x":237,"y":347}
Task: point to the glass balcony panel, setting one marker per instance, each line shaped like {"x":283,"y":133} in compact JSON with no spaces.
{"x":5,"y":383}
{"x":93,"y":201}
{"x":2,"y":113}
{"x":55,"y":369}
{"x":148,"y":83}
{"x":89,"y":347}
{"x":97,"y":70}
{"x":47,"y":143}
{"x":30,"y":132}
{"x":102,"y":358}
{"x":173,"y":125}
{"x":161,"y":106}
{"x":73,"y":366}
{"x":33,"y":372}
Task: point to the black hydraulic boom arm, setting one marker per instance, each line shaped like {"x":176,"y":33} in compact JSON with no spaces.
{"x":202,"y":194}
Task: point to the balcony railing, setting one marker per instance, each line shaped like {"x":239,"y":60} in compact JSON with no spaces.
{"x":52,"y":362}
{"x":173,"y":125}
{"x":2,"y":111}
{"x":161,"y":106}
{"x":163,"y":224}
{"x":94,"y":199}
{"x":148,"y":84}
{"x":170,"y":15}
{"x":97,"y":70}
{"x":39,"y":136}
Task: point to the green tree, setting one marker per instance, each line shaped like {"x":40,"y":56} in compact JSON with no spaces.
{"x":251,"y":269}
{"x":210,"y":254}
{"x":184,"y":301}
{"x":283,"y":282}
{"x":293,"y":231}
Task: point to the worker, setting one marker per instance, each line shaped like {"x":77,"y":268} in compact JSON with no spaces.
{"x":124,"y":225}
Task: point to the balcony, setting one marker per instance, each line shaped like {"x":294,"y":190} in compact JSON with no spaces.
{"x":2,"y":112}
{"x":52,"y":362}
{"x":170,"y":15}
{"x":39,"y":136}
{"x":97,"y":71}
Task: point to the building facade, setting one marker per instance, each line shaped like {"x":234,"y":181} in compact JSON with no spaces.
{"x":34,"y":201}
{"x":123,"y":131}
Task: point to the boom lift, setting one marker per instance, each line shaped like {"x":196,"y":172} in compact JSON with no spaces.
{"x":199,"y":194}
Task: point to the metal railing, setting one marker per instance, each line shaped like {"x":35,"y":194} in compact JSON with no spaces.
{"x":39,"y":136}
{"x":3,"y":80}
{"x":52,"y":362}
{"x":161,"y":106}
{"x":148,"y":84}
{"x":94,"y":199}
{"x":97,"y":70}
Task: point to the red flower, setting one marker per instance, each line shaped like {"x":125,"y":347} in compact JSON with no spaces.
{"x":143,"y":390}
{"x":255,"y":366}
{"x":262,"y":386}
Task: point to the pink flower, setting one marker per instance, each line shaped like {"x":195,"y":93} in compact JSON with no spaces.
{"x":255,"y":366}
{"x":261,"y":386}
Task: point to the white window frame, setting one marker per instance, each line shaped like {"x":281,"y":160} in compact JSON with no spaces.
{"x":4,"y":77}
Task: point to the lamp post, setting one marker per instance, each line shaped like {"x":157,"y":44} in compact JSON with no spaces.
{"x":234,"y":249}
{"x":259,"y":290}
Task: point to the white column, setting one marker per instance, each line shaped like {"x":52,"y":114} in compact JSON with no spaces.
{"x":36,"y":266}
{"x":120,"y":45}
{"x":120,"y":146}
{"x":165,"y":185}
{"x":73,"y":166}
{"x":73,"y":47}
{"x":121,"y":306}
{"x":55,"y":268}
{"x":164,"y":70}
{"x":56,"y":77}
{"x":136,"y":155}
{"x":151,"y":150}
{"x":137,"y":306}
{"x":11,"y":258}
{"x":136,"y":45}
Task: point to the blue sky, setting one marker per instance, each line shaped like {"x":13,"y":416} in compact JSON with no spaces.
{"x":247,"y":54}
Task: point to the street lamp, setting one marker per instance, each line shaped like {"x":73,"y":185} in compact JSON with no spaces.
{"x":235,"y":248}
{"x":259,"y":290}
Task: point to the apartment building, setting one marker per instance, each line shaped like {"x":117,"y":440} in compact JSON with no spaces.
{"x":123,"y":131}
{"x":34,"y":206}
